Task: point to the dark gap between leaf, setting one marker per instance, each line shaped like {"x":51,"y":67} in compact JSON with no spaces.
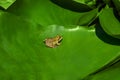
{"x":72,"y":5}
{"x":99,"y":2}
{"x":1,"y":8}
{"x":117,"y":14}
{"x":93,"y":22}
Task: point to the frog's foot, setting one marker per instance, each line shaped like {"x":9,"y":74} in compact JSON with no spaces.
{"x":58,"y":44}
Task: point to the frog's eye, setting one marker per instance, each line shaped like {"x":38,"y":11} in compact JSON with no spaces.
{"x":44,"y":40}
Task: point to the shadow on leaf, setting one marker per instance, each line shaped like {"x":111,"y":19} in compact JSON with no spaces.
{"x":72,"y":5}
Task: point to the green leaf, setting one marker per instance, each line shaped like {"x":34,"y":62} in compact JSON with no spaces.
{"x":90,"y":3}
{"x":6,"y":3}
{"x":88,"y":17}
{"x":24,"y":56}
{"x":108,"y":74}
{"x":42,"y":14}
{"x":109,"y":22}
{"x":117,"y":4}
{"x":23,"y":51}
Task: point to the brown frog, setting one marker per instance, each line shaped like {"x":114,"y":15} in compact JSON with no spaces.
{"x":53,"y":42}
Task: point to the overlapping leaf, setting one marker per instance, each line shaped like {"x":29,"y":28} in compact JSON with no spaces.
{"x":108,"y":74}
{"x":109,"y":22}
{"x":6,"y":3}
{"x":88,"y":17}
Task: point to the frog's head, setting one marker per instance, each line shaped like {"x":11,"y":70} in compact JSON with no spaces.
{"x":59,"y":38}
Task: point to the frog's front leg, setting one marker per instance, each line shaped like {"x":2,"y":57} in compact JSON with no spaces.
{"x":58,"y":44}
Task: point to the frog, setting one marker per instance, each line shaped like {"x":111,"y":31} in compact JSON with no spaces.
{"x":53,"y":42}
